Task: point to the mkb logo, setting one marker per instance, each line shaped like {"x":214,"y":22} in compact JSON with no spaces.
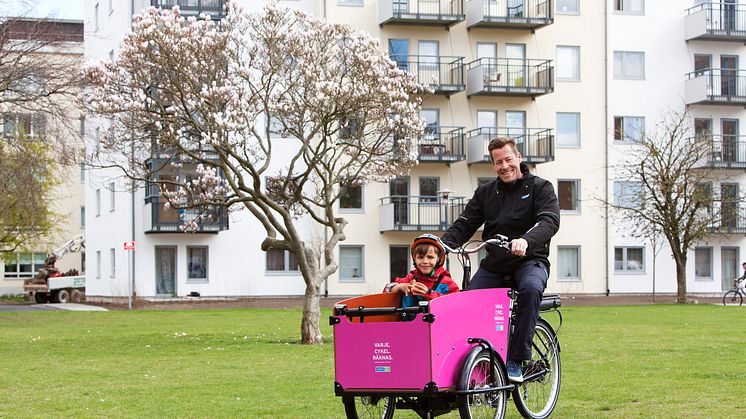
{"x":383,"y":369}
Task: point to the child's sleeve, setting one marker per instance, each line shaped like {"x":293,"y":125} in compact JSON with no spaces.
{"x":446,"y":286}
{"x":391,"y":285}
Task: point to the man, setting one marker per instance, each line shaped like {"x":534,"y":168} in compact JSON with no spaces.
{"x":523,"y":207}
{"x":742,"y":277}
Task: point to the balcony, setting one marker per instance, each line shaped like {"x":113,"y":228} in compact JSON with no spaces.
{"x":418,"y":213}
{"x":161,"y":218}
{"x":715,"y":22}
{"x":729,"y":219}
{"x":509,"y":77}
{"x":445,"y":75}
{"x":441,"y":144}
{"x":214,"y":8}
{"x":420,"y":12}
{"x":716,"y":86}
{"x":509,"y":14}
{"x":536,"y":145}
{"x":724,"y":151}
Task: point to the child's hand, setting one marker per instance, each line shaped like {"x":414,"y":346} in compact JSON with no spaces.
{"x":403,"y":288}
{"x":418,"y":288}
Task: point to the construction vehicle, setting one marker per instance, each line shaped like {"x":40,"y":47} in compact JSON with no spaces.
{"x":50,"y":284}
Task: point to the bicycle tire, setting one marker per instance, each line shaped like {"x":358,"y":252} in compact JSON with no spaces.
{"x":732,"y":297}
{"x":537,"y":398}
{"x":369,"y":407}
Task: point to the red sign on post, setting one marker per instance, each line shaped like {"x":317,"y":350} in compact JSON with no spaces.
{"x":129,"y":245}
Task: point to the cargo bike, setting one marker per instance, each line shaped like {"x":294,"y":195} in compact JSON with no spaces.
{"x":445,"y":354}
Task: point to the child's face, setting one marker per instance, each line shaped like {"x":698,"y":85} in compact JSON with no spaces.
{"x":426,"y":263}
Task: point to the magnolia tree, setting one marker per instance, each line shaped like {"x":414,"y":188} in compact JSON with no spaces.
{"x":278,"y":95}
{"x":669,"y":190}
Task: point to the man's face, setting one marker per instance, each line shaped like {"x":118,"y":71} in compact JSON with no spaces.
{"x":507,"y":163}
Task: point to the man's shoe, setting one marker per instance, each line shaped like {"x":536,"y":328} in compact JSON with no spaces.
{"x":515,"y":371}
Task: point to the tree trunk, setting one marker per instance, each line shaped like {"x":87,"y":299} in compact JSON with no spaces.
{"x":309,"y":327}
{"x":681,"y":297}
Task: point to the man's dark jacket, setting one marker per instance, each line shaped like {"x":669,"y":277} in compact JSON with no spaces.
{"x":526,"y":208}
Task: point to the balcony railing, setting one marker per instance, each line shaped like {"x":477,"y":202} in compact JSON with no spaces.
{"x":444,"y":74}
{"x":518,"y":14}
{"x":536,"y":145}
{"x":418,"y":213}
{"x":509,"y":77}
{"x":728,"y":216}
{"x":724,"y":151}
{"x":214,"y":8}
{"x":160,"y":218}
{"x":442,"y":144}
{"x":716,"y":86}
{"x":716,"y":22}
{"x":421,"y":12}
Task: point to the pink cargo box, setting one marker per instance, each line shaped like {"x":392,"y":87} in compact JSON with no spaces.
{"x":384,"y":353}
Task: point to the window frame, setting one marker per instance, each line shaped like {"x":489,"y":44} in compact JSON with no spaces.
{"x":112,"y":197}
{"x":577,"y":119}
{"x":285,"y":262}
{"x":579,"y":264}
{"x":351,"y":3}
{"x":623,"y":138}
{"x":16,"y":274}
{"x":576,"y":200}
{"x":711,"y":267}
{"x":98,"y":264}
{"x":619,"y":8}
{"x":620,"y":75}
{"x":112,"y":263}
{"x":577,"y":57}
{"x":571,"y":13}
{"x":618,"y":195}
{"x":352,"y":210}
{"x":98,"y":202}
{"x":352,"y":279}
{"x":189,"y":277}
{"x":625,"y":259}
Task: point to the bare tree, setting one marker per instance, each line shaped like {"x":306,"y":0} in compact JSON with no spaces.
{"x":277,"y":112}
{"x":668,"y":189}
{"x":39,"y":79}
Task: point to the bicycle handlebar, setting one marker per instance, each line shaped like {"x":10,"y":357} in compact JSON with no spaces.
{"x":498,"y":240}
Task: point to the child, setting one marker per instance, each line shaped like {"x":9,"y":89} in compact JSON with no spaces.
{"x":429,"y":279}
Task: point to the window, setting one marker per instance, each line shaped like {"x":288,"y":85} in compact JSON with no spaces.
{"x":568,"y":63}
{"x":703,"y":262}
{"x":351,"y":263}
{"x":486,"y":119}
{"x":350,"y":128}
{"x":568,"y":263}
{"x":98,"y":202}
{"x":486,"y":50}
{"x":24,"y":125}
{"x":112,"y":197}
{"x":197,"y":263}
{"x":23,"y":264}
{"x":82,"y":262}
{"x":350,"y":196}
{"x":630,"y":6}
{"x":82,"y":217}
{"x":567,"y":193}
{"x":568,"y":129}
{"x":112,"y":263}
{"x":111,"y":6}
{"x":629,"y":128}
{"x":98,"y":264}
{"x":350,"y":2}
{"x":629,"y":65}
{"x":628,"y":194}
{"x":400,"y":261}
{"x":429,"y":187}
{"x":82,"y":172}
{"x":629,"y":259}
{"x":279,"y":260}
{"x":703,"y":194}
{"x":567,"y":7}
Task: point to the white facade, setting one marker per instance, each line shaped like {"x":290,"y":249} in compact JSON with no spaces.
{"x":580,"y":41}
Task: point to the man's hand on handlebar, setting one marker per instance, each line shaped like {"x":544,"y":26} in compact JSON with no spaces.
{"x":518,"y":246}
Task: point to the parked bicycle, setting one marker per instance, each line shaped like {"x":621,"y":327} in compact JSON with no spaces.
{"x":379,"y":347}
{"x":736,"y":294}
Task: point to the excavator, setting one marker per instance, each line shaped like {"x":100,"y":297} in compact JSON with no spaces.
{"x":50,"y":284}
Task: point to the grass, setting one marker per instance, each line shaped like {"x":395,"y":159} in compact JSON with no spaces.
{"x":618,"y":362}
{"x":13,"y":297}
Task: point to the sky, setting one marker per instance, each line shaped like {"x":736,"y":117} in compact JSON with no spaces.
{"x":58,"y":9}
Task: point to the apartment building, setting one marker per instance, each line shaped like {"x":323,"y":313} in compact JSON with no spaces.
{"x":62,"y":40}
{"x":557,"y":75}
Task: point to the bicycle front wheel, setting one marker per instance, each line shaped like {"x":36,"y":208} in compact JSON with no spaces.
{"x":369,"y":407}
{"x":537,"y":396}
{"x":732,"y":297}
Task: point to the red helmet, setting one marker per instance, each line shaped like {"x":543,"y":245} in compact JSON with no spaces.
{"x":431,"y":240}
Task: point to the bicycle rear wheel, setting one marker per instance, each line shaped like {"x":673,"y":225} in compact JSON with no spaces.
{"x":537,"y":396}
{"x":733,"y":297}
{"x":364,"y":407}
{"x":478,"y":374}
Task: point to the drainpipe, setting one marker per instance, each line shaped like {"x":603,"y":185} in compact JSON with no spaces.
{"x":132,"y":192}
{"x":606,"y":142}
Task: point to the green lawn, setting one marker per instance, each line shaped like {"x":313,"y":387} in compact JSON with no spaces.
{"x":618,"y":361}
